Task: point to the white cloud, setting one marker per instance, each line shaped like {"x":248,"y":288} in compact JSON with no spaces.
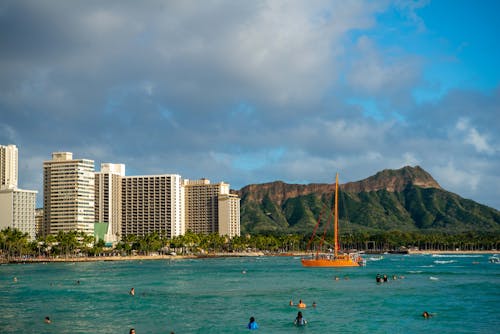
{"x":473,"y":137}
{"x":456,"y":177}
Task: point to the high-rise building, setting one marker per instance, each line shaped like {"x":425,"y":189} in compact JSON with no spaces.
{"x":229,"y":215}
{"x":152,"y":203}
{"x":68,"y":194}
{"x":8,"y":166}
{"x":39,"y":228}
{"x":202,"y":205}
{"x":17,"y":210}
{"x":108,"y":199}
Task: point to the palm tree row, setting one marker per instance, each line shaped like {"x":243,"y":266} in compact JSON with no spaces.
{"x":15,"y":244}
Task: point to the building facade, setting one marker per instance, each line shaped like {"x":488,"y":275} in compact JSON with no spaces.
{"x":229,"y":215}
{"x":108,"y":199}
{"x":8,"y":166}
{"x":17,"y":210}
{"x":202,"y":205}
{"x":68,"y":194}
{"x":152,"y":203}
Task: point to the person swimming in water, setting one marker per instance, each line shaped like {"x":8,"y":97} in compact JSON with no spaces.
{"x":301,"y":304}
{"x":426,"y":315}
{"x":252,"y":324}
{"x":47,"y":320}
{"x":132,"y":292}
{"x":299,"y":320}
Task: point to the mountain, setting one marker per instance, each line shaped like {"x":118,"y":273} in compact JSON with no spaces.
{"x":406,"y":199}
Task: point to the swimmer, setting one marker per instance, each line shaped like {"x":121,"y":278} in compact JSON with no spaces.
{"x":291,"y":303}
{"x":47,"y":320}
{"x":132,"y":292}
{"x":337,"y":278}
{"x":301,"y":304}
{"x":132,"y":331}
{"x":299,"y":320}
{"x":15,"y":279}
{"x":252,"y":324}
{"x":426,"y":315}
{"x":314,"y":304}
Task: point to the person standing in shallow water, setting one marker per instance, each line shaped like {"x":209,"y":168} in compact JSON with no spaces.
{"x":299,"y":320}
{"x":252,"y":324}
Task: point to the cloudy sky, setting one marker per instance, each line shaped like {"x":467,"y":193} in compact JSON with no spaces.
{"x":256,"y":91}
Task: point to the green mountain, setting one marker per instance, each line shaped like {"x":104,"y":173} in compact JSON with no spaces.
{"x":407,"y":199}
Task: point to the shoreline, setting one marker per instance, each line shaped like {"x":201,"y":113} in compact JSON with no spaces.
{"x":126,"y":258}
{"x":214,"y":255}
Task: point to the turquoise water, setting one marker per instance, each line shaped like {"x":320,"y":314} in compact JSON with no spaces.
{"x":219,"y":296}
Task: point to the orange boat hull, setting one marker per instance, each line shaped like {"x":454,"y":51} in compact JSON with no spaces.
{"x":344,"y":261}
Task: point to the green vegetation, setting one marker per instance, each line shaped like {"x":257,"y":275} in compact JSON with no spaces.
{"x":414,"y":209}
{"x":14,"y":245}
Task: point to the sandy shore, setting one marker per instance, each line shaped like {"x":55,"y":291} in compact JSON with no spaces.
{"x":452,"y":252}
{"x":202,"y":256}
{"x":128,"y":258}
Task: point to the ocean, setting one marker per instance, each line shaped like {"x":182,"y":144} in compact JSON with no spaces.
{"x":219,"y":295}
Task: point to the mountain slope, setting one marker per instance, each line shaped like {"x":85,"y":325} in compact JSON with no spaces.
{"x":407,"y":199}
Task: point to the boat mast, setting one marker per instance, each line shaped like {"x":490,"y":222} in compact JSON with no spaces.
{"x":336,"y":220}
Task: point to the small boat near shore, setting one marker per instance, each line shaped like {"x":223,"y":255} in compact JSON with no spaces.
{"x":336,"y":259}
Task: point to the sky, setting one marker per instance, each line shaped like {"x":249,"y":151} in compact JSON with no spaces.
{"x":250,"y":92}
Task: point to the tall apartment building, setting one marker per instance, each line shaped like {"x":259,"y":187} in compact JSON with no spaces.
{"x":68,"y":194}
{"x":17,"y":210}
{"x":39,"y":228}
{"x":108,"y":199}
{"x":8,"y":166}
{"x":152,"y":203}
{"x":229,"y":215}
{"x":203,"y":214}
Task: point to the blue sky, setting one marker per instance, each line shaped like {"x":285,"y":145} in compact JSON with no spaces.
{"x":256,"y":91}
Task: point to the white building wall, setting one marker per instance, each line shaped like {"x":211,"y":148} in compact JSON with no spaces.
{"x":69,"y":194}
{"x":8,"y":166}
{"x":17,"y":210}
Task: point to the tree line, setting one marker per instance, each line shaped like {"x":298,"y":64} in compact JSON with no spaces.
{"x":15,"y":244}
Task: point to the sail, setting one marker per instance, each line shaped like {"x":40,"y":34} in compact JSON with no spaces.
{"x":337,"y":259}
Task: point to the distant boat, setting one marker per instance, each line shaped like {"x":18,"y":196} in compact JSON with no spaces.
{"x":336,"y":259}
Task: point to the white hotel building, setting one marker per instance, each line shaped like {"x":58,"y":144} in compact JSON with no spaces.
{"x":17,"y":206}
{"x":68,"y":194}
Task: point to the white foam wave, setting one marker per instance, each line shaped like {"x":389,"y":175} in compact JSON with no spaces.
{"x":456,"y":255}
{"x":444,"y":262}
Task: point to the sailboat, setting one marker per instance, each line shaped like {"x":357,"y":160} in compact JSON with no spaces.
{"x":336,"y":259}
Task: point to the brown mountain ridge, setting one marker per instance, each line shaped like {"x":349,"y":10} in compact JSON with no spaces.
{"x":405,"y":199}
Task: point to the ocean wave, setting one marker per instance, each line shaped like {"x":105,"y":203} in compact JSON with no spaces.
{"x":456,"y":255}
{"x":415,"y":271}
{"x":444,"y":262}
